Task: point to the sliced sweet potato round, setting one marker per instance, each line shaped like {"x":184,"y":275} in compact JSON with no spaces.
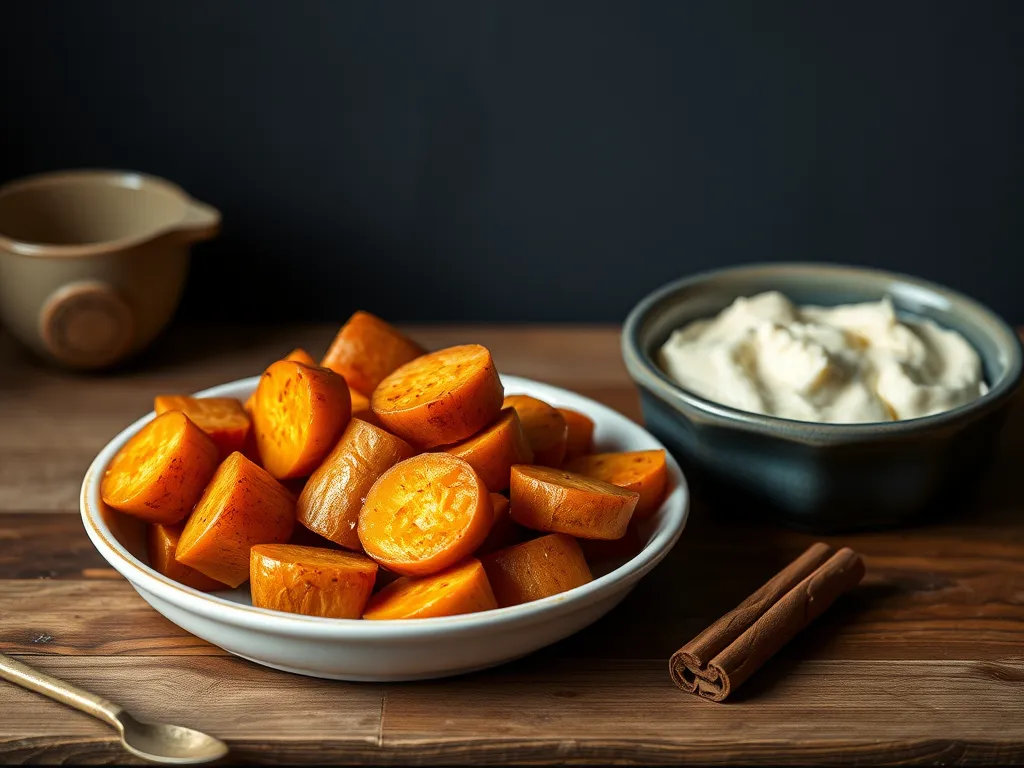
{"x":545,"y":428}
{"x":580,"y":439}
{"x":462,"y":588}
{"x":160,"y":473}
{"x":425,"y":514}
{"x":642,"y":471}
{"x":241,"y":507}
{"x":161,"y":545}
{"x":367,"y":349}
{"x":297,"y":355}
{"x":333,"y":496}
{"x":222,"y":418}
{"x":309,"y":580}
{"x":554,"y":500}
{"x":299,"y":415}
{"x":440,"y":398}
{"x":535,"y":569}
{"x":493,"y":451}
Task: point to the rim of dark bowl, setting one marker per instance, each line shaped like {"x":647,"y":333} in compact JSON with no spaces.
{"x":646,"y":372}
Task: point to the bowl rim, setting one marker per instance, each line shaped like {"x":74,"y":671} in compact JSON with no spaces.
{"x":647,"y":375}
{"x":219,"y":609}
{"x":139,"y":181}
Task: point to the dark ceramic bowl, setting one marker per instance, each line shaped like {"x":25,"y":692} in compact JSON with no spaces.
{"x":823,"y":477}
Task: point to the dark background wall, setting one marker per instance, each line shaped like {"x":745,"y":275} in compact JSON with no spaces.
{"x":542,"y":161}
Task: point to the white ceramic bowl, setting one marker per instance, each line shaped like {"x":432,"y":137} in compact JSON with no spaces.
{"x":348,"y":649}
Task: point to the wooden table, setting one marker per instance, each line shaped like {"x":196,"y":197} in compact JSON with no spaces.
{"x":923,"y":663}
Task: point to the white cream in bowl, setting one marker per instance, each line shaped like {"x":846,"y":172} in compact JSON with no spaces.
{"x":840,"y":365}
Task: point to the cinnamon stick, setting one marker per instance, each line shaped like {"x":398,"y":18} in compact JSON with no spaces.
{"x":726,"y":654}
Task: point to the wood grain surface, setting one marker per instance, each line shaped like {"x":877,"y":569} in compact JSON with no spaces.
{"x":923,"y":663}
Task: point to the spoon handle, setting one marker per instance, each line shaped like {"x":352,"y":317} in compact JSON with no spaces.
{"x":65,"y":693}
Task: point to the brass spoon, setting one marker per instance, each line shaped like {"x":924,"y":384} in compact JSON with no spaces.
{"x":150,"y":741}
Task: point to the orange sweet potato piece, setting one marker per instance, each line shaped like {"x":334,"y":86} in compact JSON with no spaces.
{"x":311,"y":581}
{"x":361,"y":409}
{"x":554,"y":500}
{"x":612,"y":550}
{"x":535,"y":569}
{"x":367,"y":349}
{"x":297,"y":355}
{"x":161,"y":543}
{"x":160,"y":473}
{"x":425,"y":514}
{"x":641,"y":471}
{"x":493,"y":451}
{"x":440,"y":398}
{"x":501,"y":505}
{"x":334,"y":493}
{"x":504,"y":530}
{"x":544,"y":426}
{"x":360,"y":402}
{"x":580,"y":438}
{"x":463,"y":588}
{"x":300,"y":414}
{"x":241,"y":507}
{"x":222,"y":418}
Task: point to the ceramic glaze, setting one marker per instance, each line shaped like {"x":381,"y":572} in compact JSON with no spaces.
{"x":93,"y":263}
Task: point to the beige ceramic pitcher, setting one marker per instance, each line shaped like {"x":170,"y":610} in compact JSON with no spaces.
{"x":93,"y":263}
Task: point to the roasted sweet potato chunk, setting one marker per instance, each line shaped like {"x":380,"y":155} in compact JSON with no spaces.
{"x":425,"y":514}
{"x":493,"y":451}
{"x":367,"y":349}
{"x":242,"y":506}
{"x":642,"y":471}
{"x":300,"y":413}
{"x":440,"y":398}
{"x":545,"y":428}
{"x":222,"y":418}
{"x":536,"y":569}
{"x":160,"y":473}
{"x":554,"y":500}
{"x":311,"y":581}
{"x":463,"y":588}
{"x":333,"y":496}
